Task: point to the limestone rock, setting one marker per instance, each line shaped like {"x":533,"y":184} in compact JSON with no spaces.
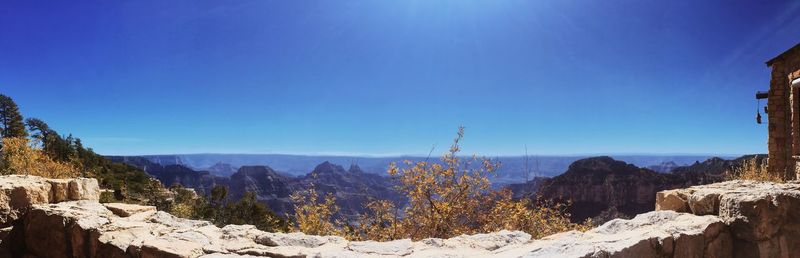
{"x":486,"y":242}
{"x":218,"y":255}
{"x":126,"y":210}
{"x":170,"y":248}
{"x":56,"y":230}
{"x":84,"y":189}
{"x":19,"y":192}
{"x":673,"y":200}
{"x":746,"y":219}
{"x":397,"y":247}
{"x":59,"y":189}
{"x":296,"y":239}
{"x":90,"y":229}
{"x":652,"y":234}
{"x":762,"y":216}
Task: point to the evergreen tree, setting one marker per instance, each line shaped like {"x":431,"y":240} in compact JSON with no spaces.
{"x":10,"y":119}
{"x":251,"y":212}
{"x":56,"y":147}
{"x":41,"y":132}
{"x":126,"y":179}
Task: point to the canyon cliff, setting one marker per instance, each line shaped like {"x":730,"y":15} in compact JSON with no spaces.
{"x":352,"y":187}
{"x":603,"y":188}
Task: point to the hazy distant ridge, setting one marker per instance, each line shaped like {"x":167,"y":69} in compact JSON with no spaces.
{"x":512,"y":169}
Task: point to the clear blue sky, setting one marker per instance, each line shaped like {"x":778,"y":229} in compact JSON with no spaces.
{"x":396,"y":77}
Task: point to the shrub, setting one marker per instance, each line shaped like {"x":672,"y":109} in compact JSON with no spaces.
{"x":249,"y":211}
{"x":753,"y":169}
{"x":185,"y":203}
{"x":314,"y":216}
{"x":445,"y":199}
{"x":21,"y":156}
{"x":380,"y":223}
{"x":539,"y":218}
{"x":107,"y":197}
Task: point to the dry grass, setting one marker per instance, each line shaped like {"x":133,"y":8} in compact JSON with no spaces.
{"x":754,"y":169}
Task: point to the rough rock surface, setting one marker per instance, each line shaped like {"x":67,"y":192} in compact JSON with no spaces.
{"x":18,"y":193}
{"x":126,"y":210}
{"x":602,"y":188}
{"x":652,"y":234}
{"x":763,"y":217}
{"x":89,"y":229}
{"x":740,"y":219}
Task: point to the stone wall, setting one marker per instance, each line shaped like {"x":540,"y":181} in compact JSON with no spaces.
{"x":783,"y":143}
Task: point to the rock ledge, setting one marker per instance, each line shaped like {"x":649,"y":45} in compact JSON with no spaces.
{"x":62,"y":218}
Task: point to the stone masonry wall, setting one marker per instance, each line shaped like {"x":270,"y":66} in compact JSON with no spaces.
{"x":782,"y":143}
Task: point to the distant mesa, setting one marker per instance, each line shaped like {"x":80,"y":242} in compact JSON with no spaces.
{"x":327,"y":168}
{"x":664,"y":167}
{"x":222,"y":169}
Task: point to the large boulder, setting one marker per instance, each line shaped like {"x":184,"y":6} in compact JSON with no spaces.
{"x":19,"y":192}
{"x":63,"y":229}
{"x":89,"y":229}
{"x":764,"y":217}
{"x":652,"y":234}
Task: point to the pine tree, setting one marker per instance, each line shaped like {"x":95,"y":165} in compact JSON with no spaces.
{"x":57,"y":147}
{"x":40,"y":131}
{"x":10,"y":119}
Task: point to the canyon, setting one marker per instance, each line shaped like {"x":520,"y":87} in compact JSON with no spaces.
{"x":600,"y":188}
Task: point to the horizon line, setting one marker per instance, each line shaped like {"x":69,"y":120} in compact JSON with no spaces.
{"x":391,"y":155}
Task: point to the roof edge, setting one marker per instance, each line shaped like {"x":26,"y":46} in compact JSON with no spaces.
{"x":769,"y":63}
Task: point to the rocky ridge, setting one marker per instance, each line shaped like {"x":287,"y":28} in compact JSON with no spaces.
{"x":729,"y":219}
{"x":352,"y":187}
{"x":603,"y":188}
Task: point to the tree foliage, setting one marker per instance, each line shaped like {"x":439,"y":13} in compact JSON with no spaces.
{"x":10,"y":119}
{"x":49,"y":154}
{"x":61,"y":148}
{"x":315,"y":215}
{"x":215,"y":208}
{"x":22,"y":157}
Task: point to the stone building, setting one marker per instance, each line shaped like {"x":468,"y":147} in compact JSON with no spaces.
{"x":783,"y":107}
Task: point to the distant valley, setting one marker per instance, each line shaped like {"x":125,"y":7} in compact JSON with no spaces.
{"x":352,"y":187}
{"x":512,"y":170}
{"x":601,"y":188}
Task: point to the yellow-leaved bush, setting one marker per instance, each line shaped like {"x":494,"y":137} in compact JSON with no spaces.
{"x":445,"y":199}
{"x":22,"y":156}
{"x":316,"y":217}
